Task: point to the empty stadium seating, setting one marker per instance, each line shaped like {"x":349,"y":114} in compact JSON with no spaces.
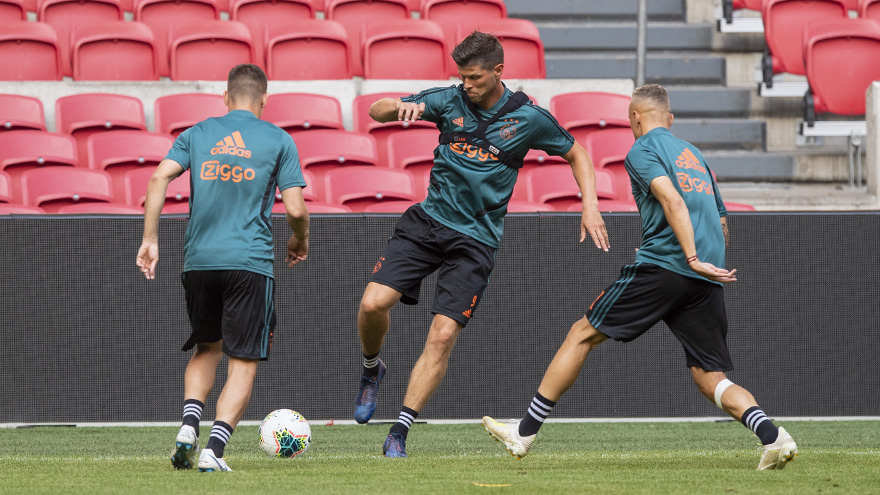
{"x":307,"y":50}
{"x":51,"y":188}
{"x":257,"y":14}
{"x":19,"y":112}
{"x":29,"y":51}
{"x":65,"y":14}
{"x":5,"y":188}
{"x":309,"y":192}
{"x":25,"y":150}
{"x":82,"y":115}
{"x":354,"y":14}
{"x":206,"y":50}
{"x":117,"y":152}
{"x":585,"y":112}
{"x":538,"y":158}
{"x":174,"y":114}
{"x":176,"y":196}
{"x":523,"y":48}
{"x":323,"y":150}
{"x":449,"y":14}
{"x":113,"y":51}
{"x":101,"y":208}
{"x":784,"y":22}
{"x":404,"y":49}
{"x":313,"y":207}
{"x":413,"y":151}
{"x":303,"y":111}
{"x":357,"y":187}
{"x":869,"y":9}
{"x":835,"y":61}
{"x":363,"y":123}
{"x":554,"y":185}
{"x":160,"y":15}
{"x":12,"y":11}
{"x":391,"y":206}
{"x":17,"y":209}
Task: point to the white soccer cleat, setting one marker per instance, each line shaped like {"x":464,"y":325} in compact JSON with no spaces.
{"x":507,"y":432}
{"x":777,"y":454}
{"x":208,"y":462}
{"x":187,"y":444}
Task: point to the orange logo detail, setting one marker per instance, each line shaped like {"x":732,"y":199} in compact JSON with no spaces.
{"x":459,"y":121}
{"x":378,"y":265}
{"x":231,"y":145}
{"x":212,"y":170}
{"x":472,"y":151}
{"x":468,"y":313}
{"x":687,"y":159}
{"x":597,"y":300}
{"x":688,"y":184}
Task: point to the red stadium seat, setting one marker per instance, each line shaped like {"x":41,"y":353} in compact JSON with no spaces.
{"x":158,"y":14}
{"x":363,"y":123}
{"x":12,"y":11}
{"x":17,"y":209}
{"x":29,"y":51}
{"x":419,"y":43}
{"x":82,"y":115}
{"x":176,"y":195}
{"x":51,"y":188}
{"x":539,"y":158}
{"x":527,"y":207}
{"x":257,"y":14}
{"x":738,"y":206}
{"x":102,"y":208}
{"x":327,"y":149}
{"x":869,"y":9}
{"x":555,"y":185}
{"x":784,"y":22}
{"x":65,"y":14}
{"x":5,"y":188}
{"x":314,"y":207}
{"x":413,"y":151}
{"x":358,"y":187}
{"x":309,"y":192}
{"x":113,"y":51}
{"x":609,"y":147}
{"x":449,"y":13}
{"x":117,"y":152}
{"x":586,"y":112}
{"x":835,"y":53}
{"x":307,"y":50}
{"x":354,"y":14}
{"x":390,"y":206}
{"x":303,"y":111}
{"x":25,"y":150}
{"x":195,"y":50}
{"x":19,"y":112}
{"x":523,"y":48}
{"x":174,"y":114}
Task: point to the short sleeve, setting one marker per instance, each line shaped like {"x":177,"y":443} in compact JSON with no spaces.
{"x":179,"y":151}
{"x":644,"y":166}
{"x":435,"y":100}
{"x":289,"y":169}
{"x":547,"y":134}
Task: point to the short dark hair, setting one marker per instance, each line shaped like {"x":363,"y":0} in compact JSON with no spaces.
{"x":246,"y":82}
{"x":479,"y":48}
{"x":653,"y":93}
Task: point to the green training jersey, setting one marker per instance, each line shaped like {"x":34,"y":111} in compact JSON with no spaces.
{"x":235,"y":163}
{"x":470,"y":187}
{"x":660,"y":154}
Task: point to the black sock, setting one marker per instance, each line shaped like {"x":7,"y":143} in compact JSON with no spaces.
{"x":371,"y":364}
{"x":404,"y":421}
{"x":755,"y":420}
{"x":538,"y":411}
{"x":192,"y":413}
{"x":220,"y":434}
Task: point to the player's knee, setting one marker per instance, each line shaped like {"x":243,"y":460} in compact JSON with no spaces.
{"x":374,"y":306}
{"x":584,"y":333}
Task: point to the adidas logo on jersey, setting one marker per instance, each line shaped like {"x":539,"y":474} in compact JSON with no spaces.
{"x":231,"y":145}
{"x":459,"y":121}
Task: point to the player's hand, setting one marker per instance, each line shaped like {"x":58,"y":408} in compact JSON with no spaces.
{"x":712,"y":272}
{"x":147,"y":257}
{"x":592,"y":223}
{"x":297,"y":250}
{"x":409,"y":111}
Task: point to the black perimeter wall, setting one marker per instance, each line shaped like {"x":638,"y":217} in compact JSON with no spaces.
{"x":87,"y":339}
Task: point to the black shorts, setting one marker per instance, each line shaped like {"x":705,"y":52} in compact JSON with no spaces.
{"x":692,"y":308}
{"x":236,"y":306}
{"x":420,"y":245}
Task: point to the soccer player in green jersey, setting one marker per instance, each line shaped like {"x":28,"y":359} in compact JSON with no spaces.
{"x":677,"y":278}
{"x":235,"y":163}
{"x":486,"y":130}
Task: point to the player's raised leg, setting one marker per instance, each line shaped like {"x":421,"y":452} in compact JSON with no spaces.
{"x":518,"y":436}
{"x":198,"y":382}
{"x":424,"y":379}
{"x":373,"y":321}
{"x":778,"y":446}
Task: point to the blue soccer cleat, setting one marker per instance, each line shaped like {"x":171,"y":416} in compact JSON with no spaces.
{"x":395,"y":445}
{"x":185,"y":448}
{"x":368,"y":395}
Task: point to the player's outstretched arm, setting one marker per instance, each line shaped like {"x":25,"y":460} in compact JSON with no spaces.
{"x":148,"y":254}
{"x":389,"y":109}
{"x":591,"y":220}
{"x":679,"y":219}
{"x":298,"y":220}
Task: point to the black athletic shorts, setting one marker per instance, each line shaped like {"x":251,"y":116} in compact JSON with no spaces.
{"x":236,"y":306}
{"x":420,"y":245}
{"x":692,"y":308}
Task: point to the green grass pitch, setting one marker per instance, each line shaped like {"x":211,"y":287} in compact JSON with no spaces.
{"x":836,"y":457}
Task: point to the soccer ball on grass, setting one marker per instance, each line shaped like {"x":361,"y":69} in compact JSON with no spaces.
{"x":285,"y":433}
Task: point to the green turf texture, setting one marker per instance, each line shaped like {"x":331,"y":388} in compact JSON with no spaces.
{"x":836,"y":457}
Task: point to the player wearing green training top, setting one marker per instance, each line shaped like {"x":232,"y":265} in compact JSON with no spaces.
{"x":486,"y":130}
{"x":676,"y":278}
{"x":235,"y":163}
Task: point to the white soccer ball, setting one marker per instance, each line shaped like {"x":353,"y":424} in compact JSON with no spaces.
{"x":285,"y":433}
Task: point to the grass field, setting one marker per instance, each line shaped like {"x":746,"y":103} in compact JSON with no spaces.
{"x":837,"y":457}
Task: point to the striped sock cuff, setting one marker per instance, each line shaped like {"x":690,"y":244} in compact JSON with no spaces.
{"x":753,"y":418}
{"x":540,"y":408}
{"x":193,"y":407}
{"x":407,"y":416}
{"x":221,"y":431}
{"x":371,"y":362}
